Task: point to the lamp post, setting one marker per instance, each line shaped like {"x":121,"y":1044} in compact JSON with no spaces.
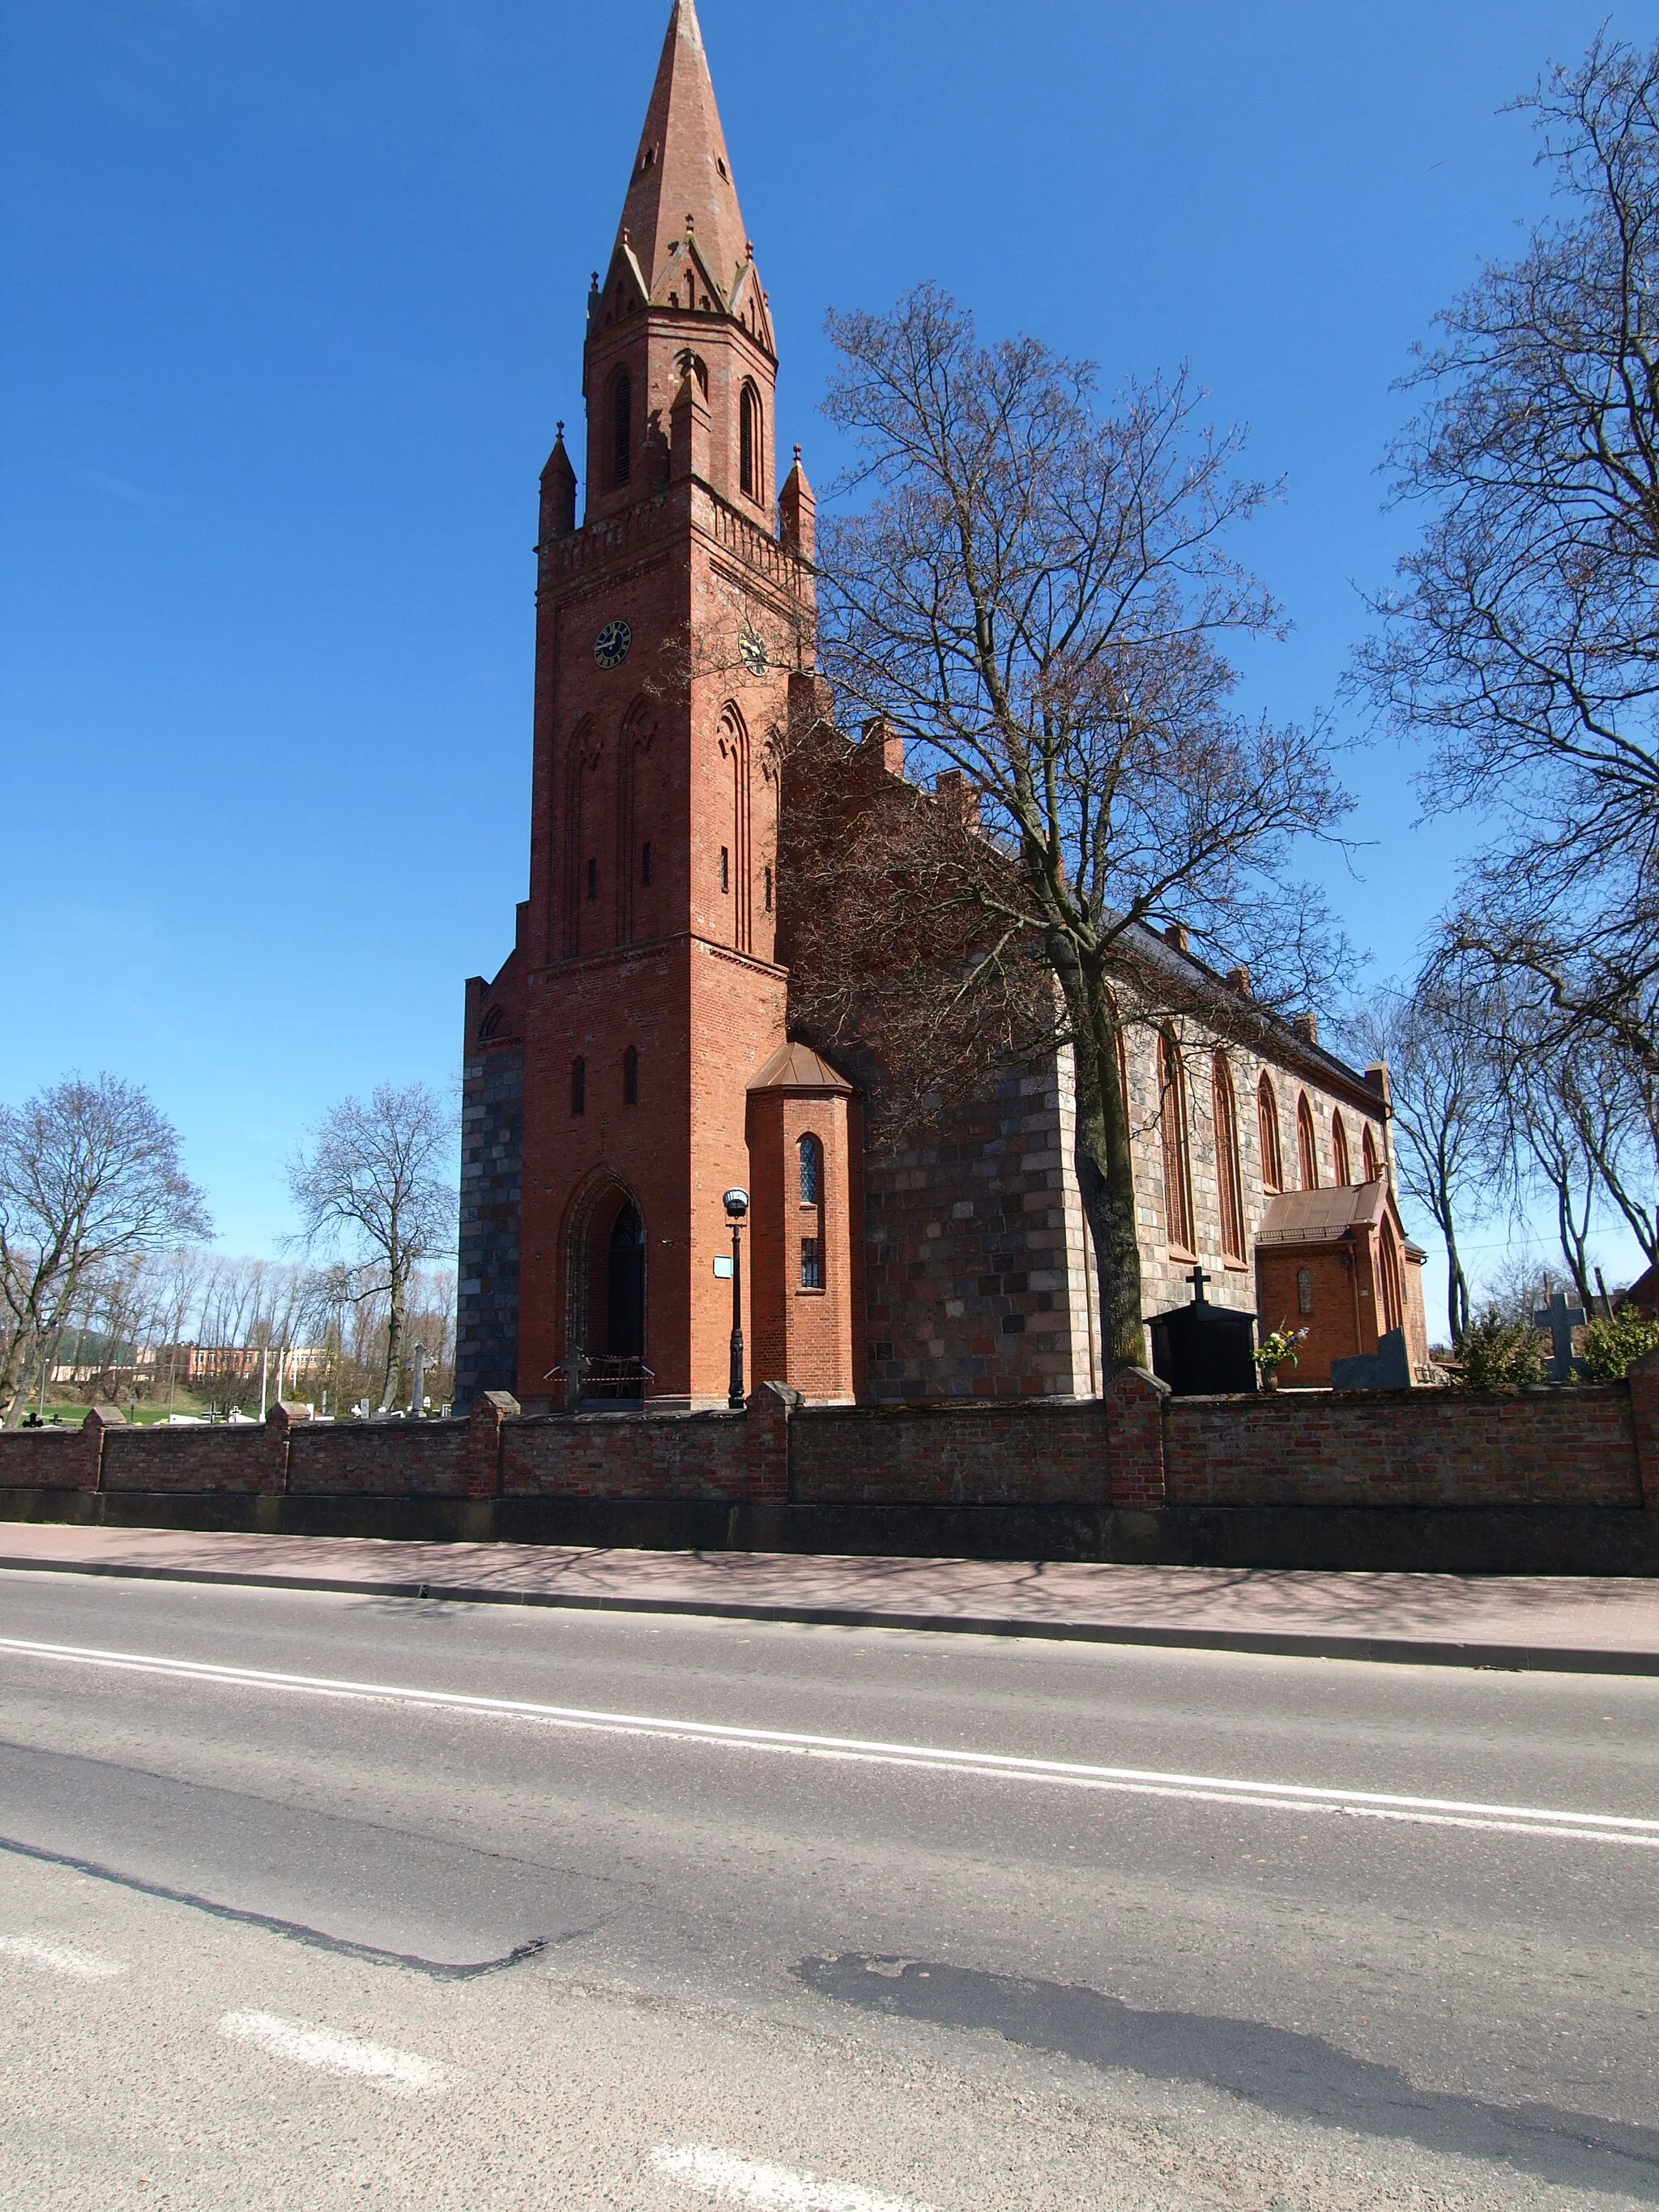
{"x":736,"y":1203}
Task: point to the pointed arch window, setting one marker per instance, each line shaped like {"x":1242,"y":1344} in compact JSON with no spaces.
{"x":1177,"y":1163}
{"x":1368,"y":1150}
{"x":1341,"y":1165}
{"x":1266,"y":1118}
{"x":622,"y":428}
{"x":1307,"y":1145}
{"x":1229,"y":1184}
{"x":1393,"y":1286}
{"x":748,"y":442}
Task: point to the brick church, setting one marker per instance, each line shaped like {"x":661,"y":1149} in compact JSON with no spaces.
{"x":634,"y":1060}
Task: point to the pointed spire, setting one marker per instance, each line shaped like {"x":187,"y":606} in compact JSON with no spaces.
{"x":558,"y":492}
{"x":798,"y":513}
{"x":682,"y":172}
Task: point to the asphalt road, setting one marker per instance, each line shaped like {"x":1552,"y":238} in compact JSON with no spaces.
{"x":311,"y":1900}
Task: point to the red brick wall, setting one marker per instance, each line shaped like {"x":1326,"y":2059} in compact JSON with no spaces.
{"x":1025,"y":1452}
{"x":1541,"y":1447}
{"x":647,"y":1455}
{"x":1427,"y":1448}
{"x":48,"y":1459}
{"x":425,"y":1459}
{"x":238,"y":1458}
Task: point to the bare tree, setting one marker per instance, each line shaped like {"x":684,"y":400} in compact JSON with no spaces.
{"x":90,"y":1176}
{"x":376,"y":1180}
{"x":1038,"y":596}
{"x":1523,"y":637}
{"x":1447,"y":1104}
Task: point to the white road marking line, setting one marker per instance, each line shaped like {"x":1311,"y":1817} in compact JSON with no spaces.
{"x":766,"y":2188}
{"x":58,"y":1959}
{"x":1301,"y":1798}
{"x":401,"y":2071}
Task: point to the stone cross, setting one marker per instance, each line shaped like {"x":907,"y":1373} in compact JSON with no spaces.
{"x":1560,"y":1318}
{"x":1198,"y":1279}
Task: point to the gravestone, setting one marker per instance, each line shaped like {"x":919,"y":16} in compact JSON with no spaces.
{"x":1560,"y":1318}
{"x":1203,"y":1351}
{"x":1388,"y":1368}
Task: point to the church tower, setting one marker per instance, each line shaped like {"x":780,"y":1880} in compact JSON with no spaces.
{"x":607,"y":1102}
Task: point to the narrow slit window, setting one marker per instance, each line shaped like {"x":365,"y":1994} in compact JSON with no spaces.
{"x":622,"y":430}
{"x":1304,"y":1290}
{"x":578,"y":1086}
{"x":748,"y":442}
{"x":726,"y":869}
{"x":767,"y":884}
{"x":645,"y":861}
{"x":812,"y":1263}
{"x":593,"y":879}
{"x":631,"y":1077}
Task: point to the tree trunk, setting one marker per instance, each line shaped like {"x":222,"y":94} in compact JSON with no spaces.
{"x":1457,"y":1288}
{"x":1104,"y":1162}
{"x":394,"y":1336}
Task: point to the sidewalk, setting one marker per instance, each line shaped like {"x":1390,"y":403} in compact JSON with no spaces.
{"x":1561,"y":1623}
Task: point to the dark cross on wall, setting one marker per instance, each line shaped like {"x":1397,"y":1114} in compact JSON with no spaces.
{"x":1198,"y":1279}
{"x":1560,"y":1318}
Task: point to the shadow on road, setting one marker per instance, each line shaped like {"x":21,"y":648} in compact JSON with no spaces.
{"x":1300,"y":2077}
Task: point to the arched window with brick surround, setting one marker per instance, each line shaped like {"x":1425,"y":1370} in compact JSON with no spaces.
{"x":1266,"y":1122}
{"x":1373,"y":1164}
{"x":1177,"y":1162}
{"x":750,"y":442}
{"x":1307,"y":1145}
{"x":810,"y":1152}
{"x":1230,"y":1184}
{"x":1341,"y":1166}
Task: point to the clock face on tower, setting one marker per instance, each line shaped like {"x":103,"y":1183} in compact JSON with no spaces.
{"x":611,"y":646}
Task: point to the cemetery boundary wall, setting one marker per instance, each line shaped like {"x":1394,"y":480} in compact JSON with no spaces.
{"x":1534,"y":1481}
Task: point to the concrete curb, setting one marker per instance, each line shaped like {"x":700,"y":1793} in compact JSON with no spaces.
{"x":1290,"y":1643}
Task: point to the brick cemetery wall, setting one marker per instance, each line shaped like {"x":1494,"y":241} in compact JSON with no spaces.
{"x":1025,"y":1451}
{"x":1419,"y":1448}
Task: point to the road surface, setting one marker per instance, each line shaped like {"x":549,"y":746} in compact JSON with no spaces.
{"x":311,"y":1900}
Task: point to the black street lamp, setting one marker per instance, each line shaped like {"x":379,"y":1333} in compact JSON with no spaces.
{"x":736,"y":1203}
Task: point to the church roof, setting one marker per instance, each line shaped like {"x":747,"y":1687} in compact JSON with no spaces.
{"x":797,"y":1068}
{"x":1318,"y":1217}
{"x":682,"y":167}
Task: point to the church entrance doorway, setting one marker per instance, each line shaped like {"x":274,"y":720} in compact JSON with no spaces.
{"x":625,"y":1286}
{"x":605,"y":1312}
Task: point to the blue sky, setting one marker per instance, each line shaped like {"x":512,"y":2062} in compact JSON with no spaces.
{"x":293,"y":296}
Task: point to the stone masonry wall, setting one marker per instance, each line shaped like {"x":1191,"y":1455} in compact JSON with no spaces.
{"x":970,"y":1263}
{"x":492,"y":1151}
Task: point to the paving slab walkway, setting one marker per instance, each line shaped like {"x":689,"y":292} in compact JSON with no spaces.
{"x":1576,"y":1623}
